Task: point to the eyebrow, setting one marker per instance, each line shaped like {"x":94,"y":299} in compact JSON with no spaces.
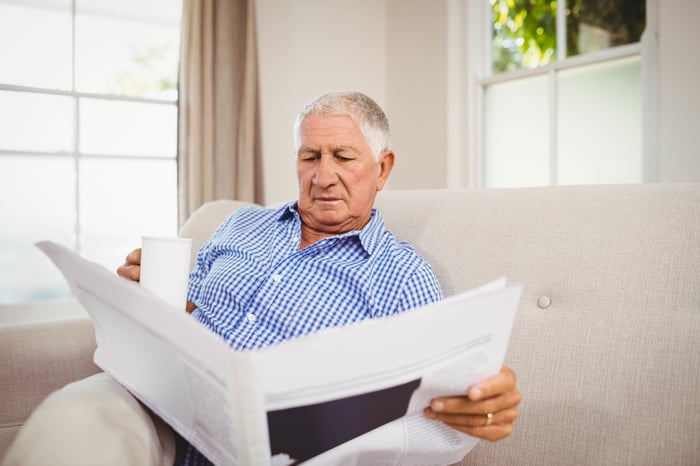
{"x":333,"y":149}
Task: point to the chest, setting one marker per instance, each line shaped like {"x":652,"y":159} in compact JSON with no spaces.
{"x":268,"y":290}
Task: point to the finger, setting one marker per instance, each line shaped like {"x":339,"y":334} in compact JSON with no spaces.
{"x":130,"y":272}
{"x":459,"y":421}
{"x":477,"y":426}
{"x":131,"y":269}
{"x":134,"y":257}
{"x":494,"y":385}
{"x":464,"y":405}
{"x":491,"y":433}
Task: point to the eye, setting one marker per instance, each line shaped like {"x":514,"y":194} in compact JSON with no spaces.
{"x":343,"y":157}
{"x":309,"y":156}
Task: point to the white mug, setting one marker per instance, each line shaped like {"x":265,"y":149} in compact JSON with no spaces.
{"x":165,"y":268}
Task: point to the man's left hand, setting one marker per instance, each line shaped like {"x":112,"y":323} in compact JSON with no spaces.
{"x":487,"y":411}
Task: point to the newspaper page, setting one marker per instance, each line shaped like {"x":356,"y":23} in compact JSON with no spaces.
{"x":180,"y":370}
{"x":350,"y":395}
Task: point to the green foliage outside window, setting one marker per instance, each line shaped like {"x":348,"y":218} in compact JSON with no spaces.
{"x":524,"y":31}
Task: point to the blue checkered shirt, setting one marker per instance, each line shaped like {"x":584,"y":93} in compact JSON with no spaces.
{"x":254,"y":287}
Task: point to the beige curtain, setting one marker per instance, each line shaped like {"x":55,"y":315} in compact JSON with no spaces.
{"x":219,"y":150}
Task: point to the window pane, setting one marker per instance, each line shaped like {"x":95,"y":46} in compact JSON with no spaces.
{"x":593,"y":25}
{"x":128,"y":47}
{"x":524,"y":33}
{"x":38,"y":196}
{"x":47,"y":141}
{"x":516,"y":128}
{"x":40,"y":38}
{"x":128,"y":128}
{"x":121,"y":200}
{"x":600,"y":124}
{"x":35,"y":122}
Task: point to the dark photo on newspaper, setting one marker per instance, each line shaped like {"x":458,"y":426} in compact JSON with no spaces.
{"x":306,"y":431}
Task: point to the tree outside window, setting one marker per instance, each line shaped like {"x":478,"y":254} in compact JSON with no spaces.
{"x":525,"y":31}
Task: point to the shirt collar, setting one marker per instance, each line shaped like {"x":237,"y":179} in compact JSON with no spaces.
{"x":369,"y":235}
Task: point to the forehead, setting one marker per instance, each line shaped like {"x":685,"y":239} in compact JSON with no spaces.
{"x":330,"y":129}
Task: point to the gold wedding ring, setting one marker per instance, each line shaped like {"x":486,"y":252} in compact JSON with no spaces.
{"x":489,"y":419}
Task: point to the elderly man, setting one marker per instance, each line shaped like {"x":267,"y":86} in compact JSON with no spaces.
{"x":267,"y":275}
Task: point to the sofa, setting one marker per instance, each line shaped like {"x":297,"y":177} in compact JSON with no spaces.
{"x":606,"y":341}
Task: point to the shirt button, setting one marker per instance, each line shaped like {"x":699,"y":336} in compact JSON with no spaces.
{"x":295,"y":239}
{"x":250,"y":317}
{"x":544,"y":302}
{"x":276,"y":278}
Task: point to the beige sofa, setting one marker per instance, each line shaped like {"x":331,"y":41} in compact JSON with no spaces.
{"x":606,"y":342}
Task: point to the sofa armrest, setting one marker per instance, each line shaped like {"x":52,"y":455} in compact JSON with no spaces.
{"x":35,"y":360}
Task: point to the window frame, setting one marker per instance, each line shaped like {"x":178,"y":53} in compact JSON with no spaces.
{"x":76,"y":154}
{"x":475,"y":17}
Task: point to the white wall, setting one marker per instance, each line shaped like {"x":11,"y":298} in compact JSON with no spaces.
{"x":307,"y":48}
{"x":396,"y":51}
{"x":392,"y":50}
{"x":679,"y":96}
{"x":417,"y":92}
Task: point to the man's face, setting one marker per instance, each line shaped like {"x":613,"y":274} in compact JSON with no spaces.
{"x":338,"y":176}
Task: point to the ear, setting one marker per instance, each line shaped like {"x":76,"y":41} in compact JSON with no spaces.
{"x":386,"y":163}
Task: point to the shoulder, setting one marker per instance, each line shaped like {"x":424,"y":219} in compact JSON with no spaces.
{"x":399,"y":249}
{"x":389,"y":247}
{"x":399,"y":262}
{"x":402,"y":258}
{"x":402,"y":278}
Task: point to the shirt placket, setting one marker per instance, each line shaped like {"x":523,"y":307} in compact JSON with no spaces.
{"x":282,"y":254}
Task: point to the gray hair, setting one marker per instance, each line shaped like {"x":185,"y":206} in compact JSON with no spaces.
{"x":366,"y":112}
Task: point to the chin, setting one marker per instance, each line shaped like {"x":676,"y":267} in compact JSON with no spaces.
{"x":329,"y":220}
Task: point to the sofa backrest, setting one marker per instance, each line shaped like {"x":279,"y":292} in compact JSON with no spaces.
{"x":201,"y":224}
{"x":606,"y":343}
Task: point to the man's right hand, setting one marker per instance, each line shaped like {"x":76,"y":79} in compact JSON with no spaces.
{"x":131,"y":269}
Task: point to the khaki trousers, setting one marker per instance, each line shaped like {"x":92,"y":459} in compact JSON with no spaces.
{"x":93,"y":422}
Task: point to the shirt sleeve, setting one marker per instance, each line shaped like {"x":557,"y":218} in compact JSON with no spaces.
{"x":205,"y":258}
{"x":421,"y":288}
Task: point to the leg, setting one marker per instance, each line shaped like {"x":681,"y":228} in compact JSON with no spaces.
{"x":92,"y":421}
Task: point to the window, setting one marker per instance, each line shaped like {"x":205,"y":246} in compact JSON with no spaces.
{"x":88,"y":146}
{"x":562,"y":103}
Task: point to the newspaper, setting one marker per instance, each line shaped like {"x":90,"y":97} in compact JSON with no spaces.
{"x":350,"y":395}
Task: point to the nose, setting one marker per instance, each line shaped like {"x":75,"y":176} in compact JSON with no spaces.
{"x":325,"y":175}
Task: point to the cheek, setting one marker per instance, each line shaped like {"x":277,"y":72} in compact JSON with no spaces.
{"x":367,"y":180}
{"x":303,"y":178}
{"x":363,"y":186}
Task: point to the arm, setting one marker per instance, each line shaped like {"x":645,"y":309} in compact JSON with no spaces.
{"x":496,"y":395}
{"x":131,"y":270}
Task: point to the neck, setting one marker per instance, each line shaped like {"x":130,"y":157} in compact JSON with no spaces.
{"x":309,"y":236}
